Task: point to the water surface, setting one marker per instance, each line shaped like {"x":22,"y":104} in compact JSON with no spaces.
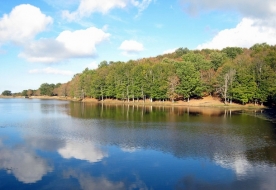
{"x":50,"y":144}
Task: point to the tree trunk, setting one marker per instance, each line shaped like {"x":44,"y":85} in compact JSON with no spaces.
{"x":226,"y":77}
{"x":127,"y":94}
{"x":102,"y":92}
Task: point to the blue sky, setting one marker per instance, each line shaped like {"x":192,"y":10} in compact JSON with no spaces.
{"x":51,"y":40}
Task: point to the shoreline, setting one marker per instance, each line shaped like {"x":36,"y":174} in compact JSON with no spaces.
{"x":208,"y":101}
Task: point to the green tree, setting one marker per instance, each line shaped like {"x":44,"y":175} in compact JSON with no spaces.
{"x":6,"y":93}
{"x":181,"y":51}
{"x":103,"y":64}
{"x":262,"y":66}
{"x":139,"y":81}
{"x":160,"y":81}
{"x":189,"y":84}
{"x":232,"y":52}
{"x":24,"y":93}
{"x":46,"y":89}
{"x":244,"y":86}
{"x":217,"y":59}
{"x":198,"y":60}
{"x":256,"y":48}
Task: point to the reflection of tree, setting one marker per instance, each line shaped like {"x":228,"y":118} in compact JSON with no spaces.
{"x":23,"y":163}
{"x":184,"y":131}
{"x":141,"y":112}
{"x":258,"y":154}
{"x":192,"y":182}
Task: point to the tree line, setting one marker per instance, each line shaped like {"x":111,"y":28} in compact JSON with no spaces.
{"x":241,"y":75}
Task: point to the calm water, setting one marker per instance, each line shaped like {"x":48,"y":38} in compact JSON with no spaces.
{"x":48,"y":144}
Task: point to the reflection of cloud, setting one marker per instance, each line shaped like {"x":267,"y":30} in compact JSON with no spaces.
{"x":128,"y":149}
{"x":83,"y":151}
{"x":45,"y":143}
{"x":238,"y":163}
{"x":138,"y":184}
{"x":88,"y":182}
{"x":23,"y":164}
{"x":248,"y":176}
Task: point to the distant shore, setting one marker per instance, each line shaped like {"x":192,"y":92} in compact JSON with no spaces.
{"x":208,"y":101}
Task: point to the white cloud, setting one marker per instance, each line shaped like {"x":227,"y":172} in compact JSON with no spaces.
{"x":23,"y":23}
{"x":76,"y":44}
{"x":247,"y":8}
{"x":87,"y":7}
{"x":82,"y":151}
{"x":256,"y":26}
{"x":50,"y":70}
{"x":141,"y":5}
{"x":131,"y":47}
{"x":247,"y":33}
{"x":82,"y":42}
{"x":169,"y":51}
{"x":92,"y":65}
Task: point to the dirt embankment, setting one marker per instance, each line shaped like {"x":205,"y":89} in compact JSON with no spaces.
{"x":208,"y":101}
{"x":1,"y":96}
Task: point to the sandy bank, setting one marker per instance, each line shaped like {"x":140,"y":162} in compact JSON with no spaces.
{"x":204,"y":102}
{"x":208,"y":101}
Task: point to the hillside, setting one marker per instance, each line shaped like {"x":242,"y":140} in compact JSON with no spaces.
{"x":233,"y":74}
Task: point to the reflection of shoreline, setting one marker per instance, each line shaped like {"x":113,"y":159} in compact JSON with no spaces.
{"x":86,"y":110}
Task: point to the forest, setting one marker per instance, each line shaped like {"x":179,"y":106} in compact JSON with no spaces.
{"x":240,"y":75}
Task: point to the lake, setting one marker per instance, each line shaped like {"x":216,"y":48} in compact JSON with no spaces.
{"x":51,"y":144}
